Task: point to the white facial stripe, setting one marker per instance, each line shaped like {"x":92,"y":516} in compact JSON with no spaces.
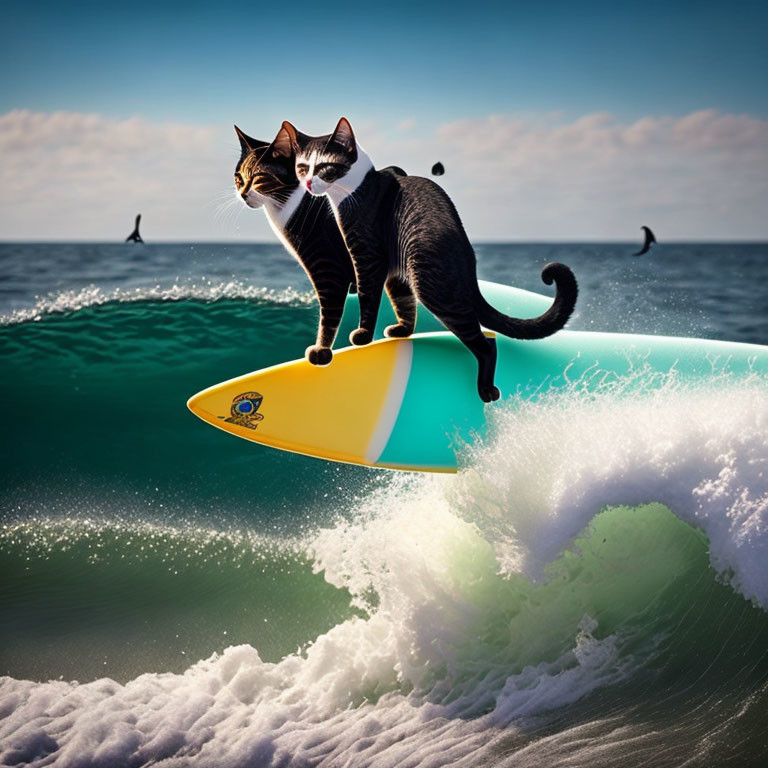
{"x":310,"y":162}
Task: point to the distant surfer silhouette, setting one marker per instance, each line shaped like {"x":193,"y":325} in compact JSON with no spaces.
{"x":438,"y":169}
{"x":650,"y":238}
{"x":135,"y":237}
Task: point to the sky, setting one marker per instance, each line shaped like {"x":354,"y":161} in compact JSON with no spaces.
{"x":554,"y":120}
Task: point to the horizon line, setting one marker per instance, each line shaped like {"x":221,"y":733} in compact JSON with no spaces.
{"x":481,"y":241}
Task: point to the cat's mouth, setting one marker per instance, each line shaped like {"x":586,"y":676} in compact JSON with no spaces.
{"x":316,"y":187}
{"x":252,"y":200}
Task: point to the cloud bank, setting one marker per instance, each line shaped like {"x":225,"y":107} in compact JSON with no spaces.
{"x":704,"y":175}
{"x":84,"y":177}
{"x":700,"y":176}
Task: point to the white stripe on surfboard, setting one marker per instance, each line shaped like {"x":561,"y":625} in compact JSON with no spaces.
{"x":391,"y":408}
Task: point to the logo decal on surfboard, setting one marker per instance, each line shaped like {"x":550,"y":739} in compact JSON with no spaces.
{"x":244,"y":410}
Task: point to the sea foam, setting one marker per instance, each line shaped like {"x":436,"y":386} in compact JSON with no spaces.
{"x":548,"y":467}
{"x":200,"y":290}
{"x":487,"y":603}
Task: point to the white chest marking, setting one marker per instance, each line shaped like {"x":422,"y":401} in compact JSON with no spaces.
{"x":279,"y":215}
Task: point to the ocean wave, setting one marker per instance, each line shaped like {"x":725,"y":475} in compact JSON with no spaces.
{"x":452,"y":662}
{"x":409,"y":682}
{"x":581,"y":547}
{"x":546,"y":468}
{"x":206,"y":291}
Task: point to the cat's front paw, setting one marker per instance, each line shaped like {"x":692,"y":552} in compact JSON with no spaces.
{"x":319,"y":355}
{"x":489,"y":394}
{"x":360,"y":337}
{"x":399,"y":331}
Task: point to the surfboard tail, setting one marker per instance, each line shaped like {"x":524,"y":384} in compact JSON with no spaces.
{"x":544,"y":325}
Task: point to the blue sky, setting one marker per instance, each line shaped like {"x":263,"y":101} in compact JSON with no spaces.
{"x":430,"y":60}
{"x":390,"y":64}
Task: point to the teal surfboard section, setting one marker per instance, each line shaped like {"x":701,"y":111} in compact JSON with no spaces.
{"x":509,"y":300}
{"x":440,"y":406}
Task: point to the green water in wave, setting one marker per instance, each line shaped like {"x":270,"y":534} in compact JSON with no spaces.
{"x":95,"y":422}
{"x":93,"y":410}
{"x":83,"y":600}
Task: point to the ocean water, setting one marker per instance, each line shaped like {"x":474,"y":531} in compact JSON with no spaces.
{"x":590,"y":589}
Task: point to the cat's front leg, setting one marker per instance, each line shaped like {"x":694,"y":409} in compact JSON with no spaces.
{"x":370,"y":285}
{"x":331,"y":310}
{"x":404,"y":303}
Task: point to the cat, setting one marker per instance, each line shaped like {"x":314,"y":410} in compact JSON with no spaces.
{"x":404,"y":230}
{"x":265,"y":177}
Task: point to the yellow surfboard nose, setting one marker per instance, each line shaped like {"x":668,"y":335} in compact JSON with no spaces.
{"x":343,"y":411}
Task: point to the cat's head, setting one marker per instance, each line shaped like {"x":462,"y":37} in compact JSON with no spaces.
{"x":266,"y":171}
{"x":322,"y":161}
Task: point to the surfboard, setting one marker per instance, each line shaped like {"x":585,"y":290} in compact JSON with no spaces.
{"x":407,"y":404}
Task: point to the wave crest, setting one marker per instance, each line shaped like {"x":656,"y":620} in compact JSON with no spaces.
{"x":547,"y":468}
{"x":207,"y":291}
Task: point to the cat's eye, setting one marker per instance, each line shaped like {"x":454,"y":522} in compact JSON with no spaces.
{"x":302,"y":169}
{"x":329,"y":171}
{"x":238,"y":180}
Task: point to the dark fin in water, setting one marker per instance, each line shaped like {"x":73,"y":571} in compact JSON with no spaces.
{"x":438,"y":169}
{"x":395,"y":170}
{"x":543,"y":325}
{"x":135,"y":237}
{"x":650,"y":238}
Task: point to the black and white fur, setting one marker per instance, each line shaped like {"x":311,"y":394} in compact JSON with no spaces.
{"x":265,"y":177}
{"x":404,"y":233}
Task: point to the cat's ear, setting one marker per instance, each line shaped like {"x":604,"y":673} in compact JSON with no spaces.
{"x":284,"y":144}
{"x":298,"y":139}
{"x":247,"y":143}
{"x":344,"y":136}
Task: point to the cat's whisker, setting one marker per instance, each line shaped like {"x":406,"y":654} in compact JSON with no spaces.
{"x":318,"y":210}
{"x":225,"y":211}
{"x":222,"y":197}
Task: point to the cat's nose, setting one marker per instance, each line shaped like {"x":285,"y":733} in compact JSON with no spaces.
{"x":309,"y":185}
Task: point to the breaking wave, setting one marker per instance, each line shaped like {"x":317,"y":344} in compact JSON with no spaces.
{"x":593,"y":583}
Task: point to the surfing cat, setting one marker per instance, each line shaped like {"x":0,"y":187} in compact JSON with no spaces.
{"x":404,"y":230}
{"x":265,"y":177}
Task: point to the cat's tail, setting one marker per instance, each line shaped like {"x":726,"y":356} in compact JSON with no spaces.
{"x":543,"y":325}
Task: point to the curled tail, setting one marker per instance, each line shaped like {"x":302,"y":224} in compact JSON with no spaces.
{"x":543,"y":325}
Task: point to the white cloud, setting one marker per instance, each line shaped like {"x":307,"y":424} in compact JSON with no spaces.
{"x":700,"y":176}
{"x":703,"y":175}
{"x":84,"y":176}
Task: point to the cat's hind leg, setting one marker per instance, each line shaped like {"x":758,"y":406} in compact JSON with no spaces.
{"x":484,"y":350}
{"x":404,"y":303}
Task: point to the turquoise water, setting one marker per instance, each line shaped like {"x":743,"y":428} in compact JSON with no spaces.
{"x":602,"y":606}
